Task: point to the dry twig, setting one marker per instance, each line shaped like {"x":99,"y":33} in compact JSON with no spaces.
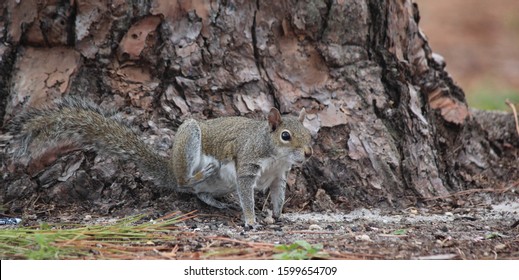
{"x":466,"y":192}
{"x":514,"y":111}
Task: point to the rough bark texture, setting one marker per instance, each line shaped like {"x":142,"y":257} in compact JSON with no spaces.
{"x":390,"y":126}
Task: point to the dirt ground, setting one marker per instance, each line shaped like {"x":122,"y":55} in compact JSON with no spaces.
{"x":470,"y":225}
{"x":482,"y":231}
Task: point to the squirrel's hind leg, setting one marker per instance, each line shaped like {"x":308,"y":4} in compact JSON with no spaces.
{"x":210,"y":200}
{"x":190,"y":164}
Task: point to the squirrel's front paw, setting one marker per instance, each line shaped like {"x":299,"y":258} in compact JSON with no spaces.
{"x":254,"y":227}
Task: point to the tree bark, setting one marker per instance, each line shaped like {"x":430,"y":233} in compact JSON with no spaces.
{"x":390,"y":126}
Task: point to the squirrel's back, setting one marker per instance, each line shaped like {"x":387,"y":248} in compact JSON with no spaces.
{"x":232,"y":133}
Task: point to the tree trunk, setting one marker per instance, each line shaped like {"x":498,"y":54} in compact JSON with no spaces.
{"x":389,"y":124}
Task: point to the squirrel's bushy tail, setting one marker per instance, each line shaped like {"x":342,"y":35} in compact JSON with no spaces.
{"x":83,"y":124}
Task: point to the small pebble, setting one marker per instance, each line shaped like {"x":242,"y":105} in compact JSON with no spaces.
{"x":363,"y":237}
{"x":269,"y":220}
{"x":315,"y":227}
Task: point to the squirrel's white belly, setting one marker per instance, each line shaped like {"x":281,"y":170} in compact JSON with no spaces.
{"x":222,"y":183}
{"x":226,"y":181}
{"x":227,"y":177}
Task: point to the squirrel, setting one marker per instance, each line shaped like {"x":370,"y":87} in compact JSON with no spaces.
{"x":209,"y":158}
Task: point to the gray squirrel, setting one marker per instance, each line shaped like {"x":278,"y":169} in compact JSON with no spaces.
{"x":209,"y":158}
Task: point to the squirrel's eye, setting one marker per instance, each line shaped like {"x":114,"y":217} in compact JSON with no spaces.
{"x":285,"y":136}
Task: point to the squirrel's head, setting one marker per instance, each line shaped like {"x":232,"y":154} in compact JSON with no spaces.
{"x":290,"y":135}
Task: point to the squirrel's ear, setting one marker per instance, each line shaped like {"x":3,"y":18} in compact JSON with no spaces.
{"x":274,"y":119}
{"x":302,"y":115}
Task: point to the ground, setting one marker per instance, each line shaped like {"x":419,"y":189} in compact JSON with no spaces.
{"x":478,"y":231}
{"x":471,"y":226}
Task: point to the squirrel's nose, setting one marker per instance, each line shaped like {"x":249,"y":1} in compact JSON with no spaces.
{"x":308,"y":151}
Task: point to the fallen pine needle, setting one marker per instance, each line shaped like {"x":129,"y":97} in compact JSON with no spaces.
{"x":514,"y":111}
